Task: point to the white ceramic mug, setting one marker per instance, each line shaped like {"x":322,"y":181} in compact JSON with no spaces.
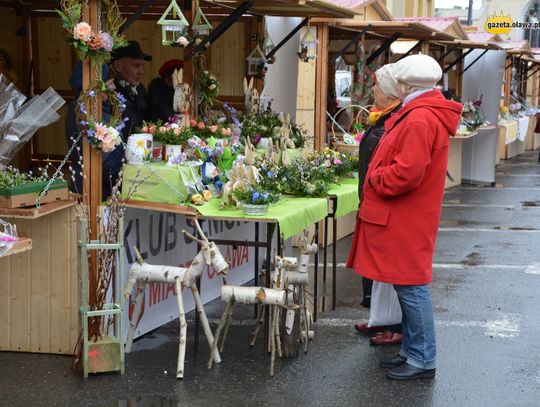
{"x":139,"y":148}
{"x":173,"y":154}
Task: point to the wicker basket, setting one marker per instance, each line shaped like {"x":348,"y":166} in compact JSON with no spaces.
{"x":254,"y":210}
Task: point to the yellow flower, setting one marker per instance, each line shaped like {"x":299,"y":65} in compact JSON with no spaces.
{"x":140,"y":144}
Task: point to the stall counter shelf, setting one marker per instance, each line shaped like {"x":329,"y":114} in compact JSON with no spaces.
{"x":39,"y":287}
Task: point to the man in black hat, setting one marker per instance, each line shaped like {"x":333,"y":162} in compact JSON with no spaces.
{"x":127,"y":66}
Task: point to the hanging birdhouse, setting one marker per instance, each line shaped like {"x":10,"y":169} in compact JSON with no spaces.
{"x":173,"y":24}
{"x":201,"y":26}
{"x":268,"y":46}
{"x":256,"y":61}
{"x":308,"y":46}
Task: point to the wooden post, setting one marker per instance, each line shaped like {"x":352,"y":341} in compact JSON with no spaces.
{"x":507,"y":78}
{"x":534,"y":89}
{"x":425,"y":47}
{"x":92,"y":173}
{"x":321,"y":86}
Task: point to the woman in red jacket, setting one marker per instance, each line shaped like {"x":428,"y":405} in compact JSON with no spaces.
{"x":401,"y":205}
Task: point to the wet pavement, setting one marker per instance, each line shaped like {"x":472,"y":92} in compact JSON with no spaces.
{"x":485,"y":292}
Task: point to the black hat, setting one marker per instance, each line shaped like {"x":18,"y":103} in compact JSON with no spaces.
{"x":132,"y":50}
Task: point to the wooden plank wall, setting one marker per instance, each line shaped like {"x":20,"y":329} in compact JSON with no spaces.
{"x":39,"y":288}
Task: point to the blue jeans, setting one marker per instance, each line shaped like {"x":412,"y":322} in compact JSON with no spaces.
{"x":418,"y":324}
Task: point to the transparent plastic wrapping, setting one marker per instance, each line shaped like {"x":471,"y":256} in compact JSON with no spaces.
{"x":19,"y":121}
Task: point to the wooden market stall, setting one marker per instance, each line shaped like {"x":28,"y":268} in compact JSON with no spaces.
{"x":512,"y":133}
{"x":40,"y":286}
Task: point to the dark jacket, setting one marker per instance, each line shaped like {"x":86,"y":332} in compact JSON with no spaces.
{"x":368,"y":143}
{"x":160,"y":100}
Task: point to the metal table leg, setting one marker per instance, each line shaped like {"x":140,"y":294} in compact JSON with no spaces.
{"x":316,"y":276}
{"x":325,"y":264}
{"x":334,"y":263}
{"x":268,"y":265}
{"x":256,"y":307}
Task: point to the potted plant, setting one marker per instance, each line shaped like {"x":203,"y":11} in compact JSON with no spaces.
{"x":255,"y":201}
{"x":174,"y":138}
{"x":19,"y":189}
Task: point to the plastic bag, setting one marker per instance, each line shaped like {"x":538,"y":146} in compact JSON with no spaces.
{"x":385,"y":308}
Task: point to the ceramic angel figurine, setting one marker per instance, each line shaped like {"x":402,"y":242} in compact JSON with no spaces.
{"x":251,"y":97}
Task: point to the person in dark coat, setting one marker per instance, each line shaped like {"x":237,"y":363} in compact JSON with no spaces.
{"x":386,"y":103}
{"x":161,"y":92}
{"x":128,"y":67}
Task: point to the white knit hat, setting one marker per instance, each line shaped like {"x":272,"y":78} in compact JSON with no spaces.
{"x":386,"y":81}
{"x":416,"y":72}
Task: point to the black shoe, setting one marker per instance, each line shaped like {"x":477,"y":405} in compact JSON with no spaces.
{"x":409,"y":372}
{"x":394,"y":361}
{"x":366,"y":302}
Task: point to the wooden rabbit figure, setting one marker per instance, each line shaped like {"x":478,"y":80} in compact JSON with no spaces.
{"x":251,"y":97}
{"x":182,"y":93}
{"x":285,"y":131}
{"x":251,"y":172}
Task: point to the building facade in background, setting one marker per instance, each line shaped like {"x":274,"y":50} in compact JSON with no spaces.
{"x":411,"y":8}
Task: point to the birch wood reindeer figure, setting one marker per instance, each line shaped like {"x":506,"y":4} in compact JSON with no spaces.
{"x":182,"y":93}
{"x":251,"y":97}
{"x":274,"y":298}
{"x":142,"y":273}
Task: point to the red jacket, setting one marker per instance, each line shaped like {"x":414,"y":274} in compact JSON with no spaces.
{"x":402,"y":196}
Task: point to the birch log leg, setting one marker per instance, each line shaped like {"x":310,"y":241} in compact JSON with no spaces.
{"x":204,"y":322}
{"x":218,"y":332}
{"x":305,"y":319}
{"x":273,"y":318}
{"x":258,"y":326}
{"x":226,"y":329}
{"x":141,"y":286}
{"x":276,"y":328}
{"x":183,"y":330}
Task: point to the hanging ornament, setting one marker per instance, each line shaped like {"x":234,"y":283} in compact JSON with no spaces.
{"x":308,"y":46}
{"x":268,"y":46}
{"x":173,"y":26}
{"x":201,"y":26}
{"x":256,"y":62}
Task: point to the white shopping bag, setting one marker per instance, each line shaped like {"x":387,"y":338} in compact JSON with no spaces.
{"x":385,"y":308}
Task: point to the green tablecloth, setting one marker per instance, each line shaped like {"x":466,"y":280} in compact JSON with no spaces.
{"x":153,"y":189}
{"x":292,"y":214}
{"x":347,"y":196}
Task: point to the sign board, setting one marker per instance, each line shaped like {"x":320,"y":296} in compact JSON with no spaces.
{"x":159,"y":238}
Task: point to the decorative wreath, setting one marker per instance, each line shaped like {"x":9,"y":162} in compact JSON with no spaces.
{"x":87,"y":41}
{"x":103,"y":136}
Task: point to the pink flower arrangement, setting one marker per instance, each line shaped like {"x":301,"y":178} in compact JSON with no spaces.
{"x":82,"y":31}
{"x":201,"y":126}
{"x":213,"y":128}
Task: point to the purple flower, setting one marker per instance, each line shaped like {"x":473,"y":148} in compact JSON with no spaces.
{"x":255,"y":196}
{"x":107,"y":41}
{"x":82,"y":108}
{"x":92,"y":93}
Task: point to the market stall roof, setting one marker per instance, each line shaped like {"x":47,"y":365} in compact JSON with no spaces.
{"x":448,"y":25}
{"x":365,"y":10}
{"x":516,"y":47}
{"x":296,"y":8}
{"x":409,"y":30}
{"x":468,"y":44}
{"x":482,"y":36}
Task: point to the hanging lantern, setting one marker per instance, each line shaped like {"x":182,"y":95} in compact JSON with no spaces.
{"x":308,"y":46}
{"x":256,"y":61}
{"x":265,"y":100}
{"x":201,"y":26}
{"x":173,"y":25}
{"x":268,"y":46}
